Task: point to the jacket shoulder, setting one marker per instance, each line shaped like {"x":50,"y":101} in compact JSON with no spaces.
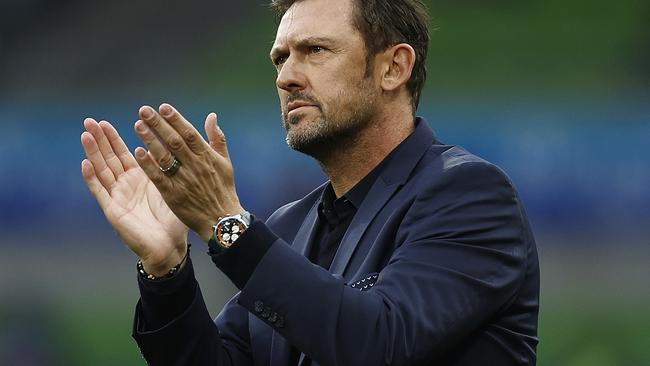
{"x":454,"y":163}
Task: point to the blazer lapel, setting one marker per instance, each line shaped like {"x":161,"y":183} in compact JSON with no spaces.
{"x":401,"y":163}
{"x":305,"y":236}
{"x":374,"y":201}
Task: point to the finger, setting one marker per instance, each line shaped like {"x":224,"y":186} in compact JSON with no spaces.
{"x":104,"y":147}
{"x":168,"y":135}
{"x":215,"y":135}
{"x":102,"y":171}
{"x":183,"y":127}
{"x":161,"y":155}
{"x":94,"y":185}
{"x":118,"y":145}
{"x":151,"y":169}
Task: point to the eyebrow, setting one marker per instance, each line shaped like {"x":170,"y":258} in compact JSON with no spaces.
{"x":301,"y":43}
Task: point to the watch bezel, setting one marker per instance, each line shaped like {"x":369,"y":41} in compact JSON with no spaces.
{"x":225,"y":238}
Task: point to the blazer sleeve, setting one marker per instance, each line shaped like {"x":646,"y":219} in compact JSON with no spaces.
{"x":459,"y":258}
{"x":192,"y":338}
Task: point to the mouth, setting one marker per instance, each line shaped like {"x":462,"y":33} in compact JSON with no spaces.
{"x":298,"y":105}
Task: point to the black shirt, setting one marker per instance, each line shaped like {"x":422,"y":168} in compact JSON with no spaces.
{"x":334,"y":218}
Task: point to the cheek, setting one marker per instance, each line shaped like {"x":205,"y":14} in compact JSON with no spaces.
{"x":340,"y":87}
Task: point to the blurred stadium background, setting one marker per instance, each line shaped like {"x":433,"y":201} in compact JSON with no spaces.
{"x":555,"y":92}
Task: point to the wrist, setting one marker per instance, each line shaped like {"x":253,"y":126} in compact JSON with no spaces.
{"x":159,"y":268}
{"x":208,"y":232}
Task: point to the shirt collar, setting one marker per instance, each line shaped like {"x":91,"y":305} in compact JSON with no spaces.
{"x":358,"y":193}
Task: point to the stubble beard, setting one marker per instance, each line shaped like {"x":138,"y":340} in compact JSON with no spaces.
{"x":335,"y":128}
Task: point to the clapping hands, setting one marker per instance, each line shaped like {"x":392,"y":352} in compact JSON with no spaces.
{"x":151,"y":209}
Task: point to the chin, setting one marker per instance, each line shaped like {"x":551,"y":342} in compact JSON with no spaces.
{"x":300,"y":136}
{"x":302,"y":117}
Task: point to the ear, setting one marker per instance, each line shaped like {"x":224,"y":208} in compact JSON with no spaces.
{"x":399,"y":61}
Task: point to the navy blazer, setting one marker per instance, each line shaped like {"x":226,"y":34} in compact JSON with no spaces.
{"x":438,"y":267}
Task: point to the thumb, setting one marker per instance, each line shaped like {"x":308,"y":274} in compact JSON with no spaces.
{"x":215,"y":135}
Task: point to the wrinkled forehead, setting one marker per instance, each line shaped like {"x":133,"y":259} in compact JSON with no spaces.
{"x":315,"y":18}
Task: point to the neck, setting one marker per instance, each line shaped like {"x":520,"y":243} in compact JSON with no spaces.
{"x":352,"y":160}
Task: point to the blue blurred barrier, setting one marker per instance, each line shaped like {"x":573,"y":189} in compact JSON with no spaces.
{"x":582,"y":168}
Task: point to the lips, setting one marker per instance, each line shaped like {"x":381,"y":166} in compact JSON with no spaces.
{"x":298,"y":104}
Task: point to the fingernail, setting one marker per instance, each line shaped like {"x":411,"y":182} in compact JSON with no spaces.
{"x":146,"y":112}
{"x":139,"y":152}
{"x":166,"y":110}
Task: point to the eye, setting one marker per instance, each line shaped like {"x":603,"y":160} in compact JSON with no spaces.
{"x":316,"y":49}
{"x":279,"y":60}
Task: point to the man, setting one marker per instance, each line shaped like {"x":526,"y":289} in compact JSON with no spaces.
{"x":413,"y":253}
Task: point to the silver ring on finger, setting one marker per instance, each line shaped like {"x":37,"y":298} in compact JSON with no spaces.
{"x":171,"y":170}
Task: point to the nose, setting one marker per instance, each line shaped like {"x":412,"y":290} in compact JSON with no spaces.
{"x":291,"y":77}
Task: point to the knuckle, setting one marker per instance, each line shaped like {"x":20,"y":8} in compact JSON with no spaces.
{"x":222,"y":137}
{"x":147,"y":137}
{"x":175,"y":142}
{"x":189,"y":136}
{"x":208,"y":173}
{"x":154,"y":122}
{"x":166,"y":161}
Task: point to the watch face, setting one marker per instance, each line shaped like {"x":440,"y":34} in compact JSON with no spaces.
{"x":228,"y":230}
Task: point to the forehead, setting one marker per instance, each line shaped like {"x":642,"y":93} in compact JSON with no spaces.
{"x":315,"y":18}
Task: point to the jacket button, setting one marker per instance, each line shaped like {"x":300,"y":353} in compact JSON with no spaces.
{"x":259,"y":306}
{"x":266,"y":312}
{"x":280,"y":322}
{"x":273,"y":318}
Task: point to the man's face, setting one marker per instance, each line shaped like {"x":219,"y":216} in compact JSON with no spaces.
{"x":321,"y":61}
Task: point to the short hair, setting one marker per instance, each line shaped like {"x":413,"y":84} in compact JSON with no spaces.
{"x":385,"y":23}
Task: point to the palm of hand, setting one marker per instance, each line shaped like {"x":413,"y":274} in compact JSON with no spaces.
{"x":130,"y":201}
{"x":136,"y":204}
